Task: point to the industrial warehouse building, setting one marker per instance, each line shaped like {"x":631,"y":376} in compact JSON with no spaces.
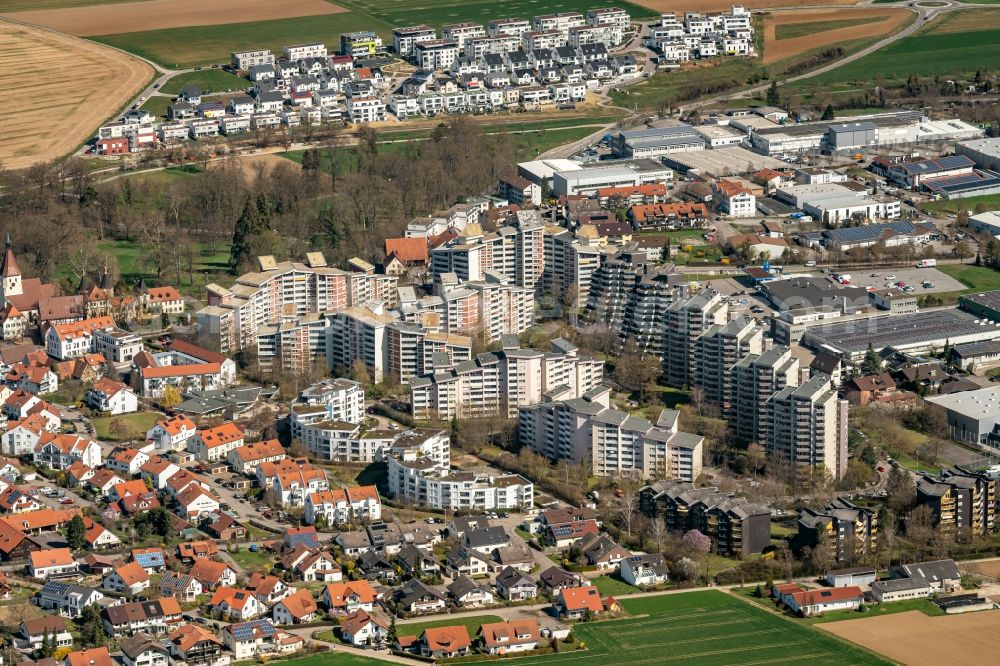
{"x":971,"y":414}
{"x":877,"y":131}
{"x":914,"y":333}
{"x":615,"y":173}
{"x":984,"y":152}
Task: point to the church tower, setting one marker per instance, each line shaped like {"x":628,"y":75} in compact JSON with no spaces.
{"x":10,"y":274}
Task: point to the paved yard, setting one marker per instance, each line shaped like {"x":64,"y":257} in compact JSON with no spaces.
{"x":867,"y":277}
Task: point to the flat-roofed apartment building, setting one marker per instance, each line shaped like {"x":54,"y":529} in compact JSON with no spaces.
{"x":685,"y":322}
{"x":285,"y":292}
{"x":501,"y":382}
{"x":755,"y":378}
{"x":807,"y":427}
{"x":612,"y":442}
{"x":405,"y":38}
{"x":516,"y":250}
{"x":735,"y":526}
{"x":716,"y":351}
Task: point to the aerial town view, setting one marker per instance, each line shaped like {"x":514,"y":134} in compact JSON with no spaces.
{"x":345,"y":332}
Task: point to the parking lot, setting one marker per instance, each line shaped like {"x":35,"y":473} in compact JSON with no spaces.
{"x":915,"y":277}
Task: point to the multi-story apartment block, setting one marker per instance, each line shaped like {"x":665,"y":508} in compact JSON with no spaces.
{"x":614,"y":17}
{"x":849,"y":531}
{"x":962,"y":501}
{"x":685,"y":321}
{"x":501,"y":382}
{"x":582,"y":35}
{"x":419,"y":474}
{"x":361,"y":44}
{"x":285,"y":292}
{"x":755,"y":378}
{"x":561,"y":22}
{"x":248,"y":59}
{"x":542,"y":40}
{"x":807,"y":427}
{"x":631,"y":295}
{"x":716,"y":351}
{"x":435,"y":53}
{"x":365,"y":110}
{"x":507,"y":26}
{"x":303,"y":51}
{"x":610,"y":441}
{"x":571,"y":260}
{"x":462,"y":32}
{"x":330,"y":399}
{"x":404,"y":39}
{"x":411,"y":350}
{"x":477,"y":47}
{"x":487,"y":308}
{"x":736,"y":527}
{"x":517,"y":251}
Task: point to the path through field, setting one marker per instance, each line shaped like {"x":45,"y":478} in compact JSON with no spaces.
{"x":776,"y":50}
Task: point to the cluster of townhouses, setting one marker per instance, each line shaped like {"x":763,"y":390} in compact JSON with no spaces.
{"x":468,"y":68}
{"x":698,"y":36}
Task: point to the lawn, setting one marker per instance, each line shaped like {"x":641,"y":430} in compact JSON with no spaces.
{"x":211,"y":44}
{"x":613,"y":586}
{"x":471,"y":623}
{"x":953,"y":206}
{"x":685,"y":84}
{"x":792,"y":30}
{"x":212,"y":263}
{"x":439,"y":12}
{"x":209,"y":80}
{"x":334,"y":659}
{"x":249,"y":560}
{"x":157,"y":105}
{"x":705,"y":627}
{"x":978,"y":278}
{"x":139,"y":422}
{"x":929,"y":52}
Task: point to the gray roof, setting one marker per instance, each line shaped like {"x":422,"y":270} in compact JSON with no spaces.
{"x":488,"y":536}
{"x":935,"y":572}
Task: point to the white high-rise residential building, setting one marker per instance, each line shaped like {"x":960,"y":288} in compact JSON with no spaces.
{"x":755,"y":379}
{"x":716,"y":351}
{"x":808,"y":427}
{"x":610,"y":441}
{"x":503,"y":381}
{"x":517,"y":251}
{"x":285,"y":292}
{"x":685,"y":321}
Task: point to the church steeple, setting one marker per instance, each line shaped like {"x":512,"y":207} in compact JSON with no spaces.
{"x":10,"y":273}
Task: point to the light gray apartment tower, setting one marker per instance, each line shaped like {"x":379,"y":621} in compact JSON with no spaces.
{"x":808,"y":427}
{"x":755,"y":378}
{"x":716,"y":351}
{"x":686,"y":320}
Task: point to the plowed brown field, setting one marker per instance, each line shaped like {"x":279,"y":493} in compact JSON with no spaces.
{"x":158,"y":14}
{"x":777,"y":50}
{"x":915,"y":639}
{"x":59,"y":90}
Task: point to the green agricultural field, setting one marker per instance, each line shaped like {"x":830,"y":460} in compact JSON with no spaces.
{"x":708,"y":627}
{"x":334,"y":659}
{"x":932,"y":51}
{"x":792,"y":30}
{"x":210,"y":44}
{"x":440,"y":12}
{"x":209,"y":80}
